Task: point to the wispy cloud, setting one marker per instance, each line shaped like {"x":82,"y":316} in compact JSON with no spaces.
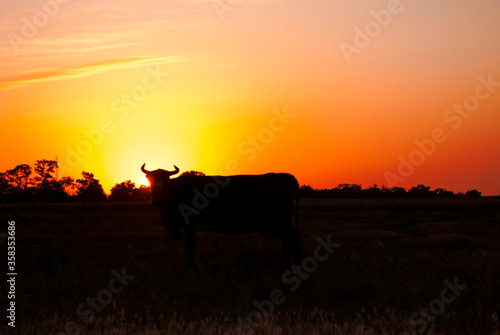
{"x":82,"y":43}
{"x":41,"y":75}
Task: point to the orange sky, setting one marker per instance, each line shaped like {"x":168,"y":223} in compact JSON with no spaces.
{"x":333,"y":92}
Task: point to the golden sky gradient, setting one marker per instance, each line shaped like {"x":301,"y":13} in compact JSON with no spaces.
{"x":396,"y":93}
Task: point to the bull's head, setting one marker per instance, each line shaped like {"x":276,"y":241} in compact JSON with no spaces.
{"x":157,"y":180}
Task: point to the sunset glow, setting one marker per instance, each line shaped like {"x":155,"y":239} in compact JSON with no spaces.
{"x":394,"y":93}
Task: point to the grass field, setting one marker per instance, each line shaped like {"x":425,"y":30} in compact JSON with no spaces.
{"x":395,"y":259}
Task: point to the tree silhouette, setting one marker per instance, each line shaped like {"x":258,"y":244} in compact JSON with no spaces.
{"x":441,"y":192}
{"x":89,"y":188}
{"x":122,"y":191}
{"x":349,"y":190}
{"x":69,"y":186}
{"x":473,"y":194}
{"x":19,"y":177}
{"x":306,"y":191}
{"x":5,"y":186}
{"x":192,"y":172}
{"x":373,"y":191}
{"x":44,"y":168}
{"x":143,"y":193}
{"x":420,"y":191}
{"x":47,"y":188}
{"x":398,"y":191}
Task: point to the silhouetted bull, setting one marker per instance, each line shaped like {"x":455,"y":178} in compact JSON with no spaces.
{"x":227,"y":204}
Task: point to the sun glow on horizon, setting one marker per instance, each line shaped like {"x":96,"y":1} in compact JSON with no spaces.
{"x":173,"y":84}
{"x":145,"y":181}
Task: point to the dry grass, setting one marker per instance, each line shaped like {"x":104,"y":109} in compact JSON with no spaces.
{"x":393,"y":258}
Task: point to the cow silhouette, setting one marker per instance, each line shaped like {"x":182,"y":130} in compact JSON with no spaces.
{"x":237,"y":204}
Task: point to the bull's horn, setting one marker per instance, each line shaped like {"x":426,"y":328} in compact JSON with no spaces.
{"x":143,"y":169}
{"x":173,"y":172}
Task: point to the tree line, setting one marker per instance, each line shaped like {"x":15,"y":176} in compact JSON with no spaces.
{"x":350,"y":191}
{"x":38,"y":184}
{"x":26,"y":184}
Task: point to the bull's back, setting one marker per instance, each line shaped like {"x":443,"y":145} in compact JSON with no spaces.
{"x":245,"y":203}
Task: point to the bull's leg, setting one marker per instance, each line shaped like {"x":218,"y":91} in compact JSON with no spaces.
{"x":172,"y":228}
{"x":286,"y":240}
{"x":296,"y":245}
{"x":190,"y":246}
{"x":291,"y":245}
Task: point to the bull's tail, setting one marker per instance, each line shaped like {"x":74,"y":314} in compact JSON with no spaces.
{"x":297,"y":200}
{"x":296,"y":233}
